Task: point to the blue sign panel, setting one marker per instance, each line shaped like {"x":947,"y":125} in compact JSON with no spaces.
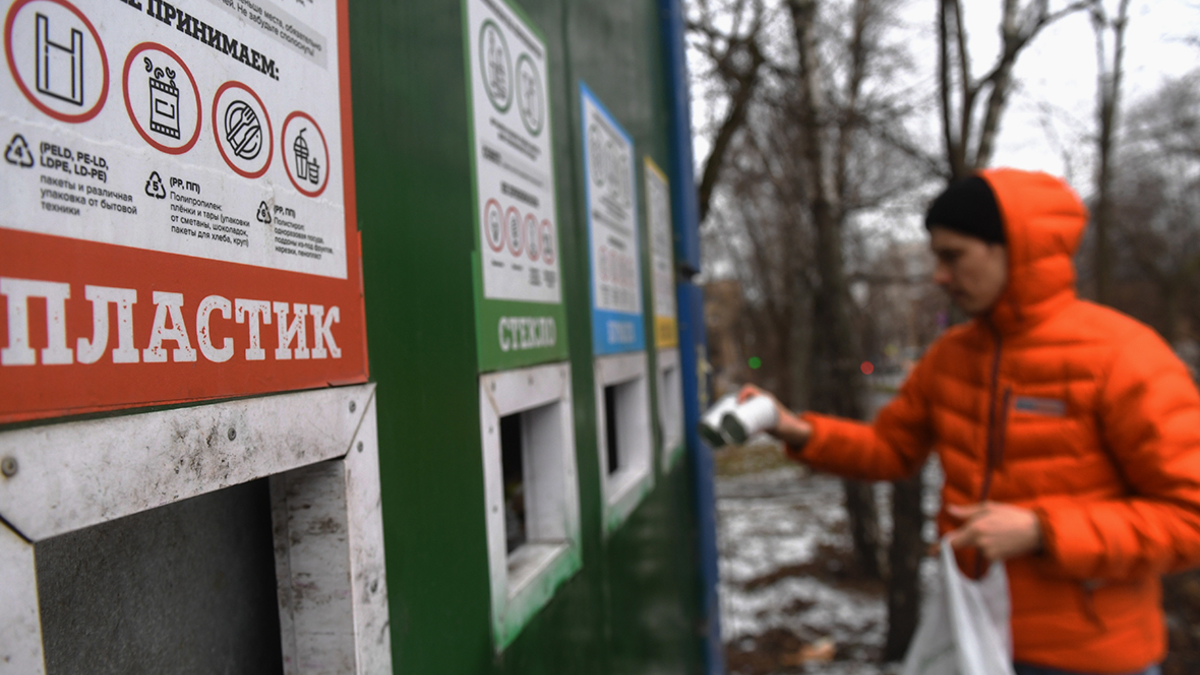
{"x":610,"y":172}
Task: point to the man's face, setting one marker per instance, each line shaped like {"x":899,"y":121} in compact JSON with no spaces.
{"x":972,"y":271}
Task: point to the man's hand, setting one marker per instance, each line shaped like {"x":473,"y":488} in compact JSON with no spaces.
{"x":790,"y":429}
{"x":1000,"y":531}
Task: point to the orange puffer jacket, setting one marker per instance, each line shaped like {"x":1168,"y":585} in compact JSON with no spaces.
{"x":1068,"y":408}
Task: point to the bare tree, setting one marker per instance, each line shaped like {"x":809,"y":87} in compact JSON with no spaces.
{"x":971,"y":110}
{"x":1108,"y":97}
{"x":837,"y":385}
{"x":969,"y":133}
{"x":796,"y":174}
{"x":729,"y":34}
{"x":819,"y":139}
{"x":1155,"y":202}
{"x":761,"y":232}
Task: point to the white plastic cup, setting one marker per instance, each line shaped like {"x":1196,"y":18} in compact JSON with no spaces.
{"x":710,"y":421}
{"x":755,"y":415}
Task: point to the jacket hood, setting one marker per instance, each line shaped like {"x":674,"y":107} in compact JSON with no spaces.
{"x":1044,"y":222}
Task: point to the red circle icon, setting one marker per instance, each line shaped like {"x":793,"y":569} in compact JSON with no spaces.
{"x":63,"y":47}
{"x":513,"y":231}
{"x":161,"y":113}
{"x":240,"y":129}
{"x":533,"y":238}
{"x":547,"y":242}
{"x":493,"y":225}
{"x":303,"y":168}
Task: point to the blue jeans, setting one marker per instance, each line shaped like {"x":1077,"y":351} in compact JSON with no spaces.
{"x":1023,"y":669}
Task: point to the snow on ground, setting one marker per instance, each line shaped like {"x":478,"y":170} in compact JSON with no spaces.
{"x":774,"y":520}
{"x":791,"y":599}
{"x":780,"y":533}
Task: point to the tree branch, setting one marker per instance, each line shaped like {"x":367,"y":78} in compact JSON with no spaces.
{"x":744,"y":85}
{"x":849,"y":121}
{"x":968,"y":91}
{"x":953,"y":144}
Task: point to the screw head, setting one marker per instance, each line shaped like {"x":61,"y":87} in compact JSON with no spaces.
{"x":360,"y":446}
{"x":232,"y":433}
{"x":353,"y":406}
{"x":8,"y":467}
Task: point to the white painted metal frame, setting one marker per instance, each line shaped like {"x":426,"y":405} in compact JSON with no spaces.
{"x":670,"y":406}
{"x":525,"y":580}
{"x":625,"y":488}
{"x":319,"y":448}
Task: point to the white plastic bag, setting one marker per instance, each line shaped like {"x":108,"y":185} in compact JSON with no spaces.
{"x":964,"y":628}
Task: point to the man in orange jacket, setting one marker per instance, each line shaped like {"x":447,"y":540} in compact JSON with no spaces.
{"x":1069,"y":434}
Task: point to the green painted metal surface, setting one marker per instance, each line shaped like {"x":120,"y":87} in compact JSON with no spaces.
{"x":634,"y":605}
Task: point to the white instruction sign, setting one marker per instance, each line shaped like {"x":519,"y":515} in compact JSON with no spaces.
{"x":205,"y":128}
{"x":612,"y":212}
{"x":514,"y":172}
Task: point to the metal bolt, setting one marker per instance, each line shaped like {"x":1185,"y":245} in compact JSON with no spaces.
{"x":352,"y":406}
{"x":8,"y":467}
{"x":232,"y":433}
{"x":360,"y":446}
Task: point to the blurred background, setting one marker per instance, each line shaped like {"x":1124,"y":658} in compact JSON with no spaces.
{"x":823,"y":129}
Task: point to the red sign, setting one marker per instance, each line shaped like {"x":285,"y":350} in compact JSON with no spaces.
{"x":143,"y":262}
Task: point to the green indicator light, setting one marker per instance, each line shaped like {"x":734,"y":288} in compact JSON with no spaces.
{"x":755,"y":363}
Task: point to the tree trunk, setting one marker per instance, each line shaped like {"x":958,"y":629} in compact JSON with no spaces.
{"x":863,"y":514}
{"x":800,"y":349}
{"x":1109,"y":99}
{"x":837,"y":386}
{"x":1102,"y":221}
{"x":838,"y":383}
{"x":904,"y":565}
{"x":743,"y":85}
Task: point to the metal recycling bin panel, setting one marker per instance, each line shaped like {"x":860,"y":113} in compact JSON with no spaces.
{"x":179,"y":218}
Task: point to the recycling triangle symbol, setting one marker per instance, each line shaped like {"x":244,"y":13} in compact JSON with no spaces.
{"x":154,"y":186}
{"x":18,"y":152}
{"x":264,"y":213}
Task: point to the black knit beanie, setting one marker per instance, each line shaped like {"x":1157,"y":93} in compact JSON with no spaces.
{"x":968,"y":206}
